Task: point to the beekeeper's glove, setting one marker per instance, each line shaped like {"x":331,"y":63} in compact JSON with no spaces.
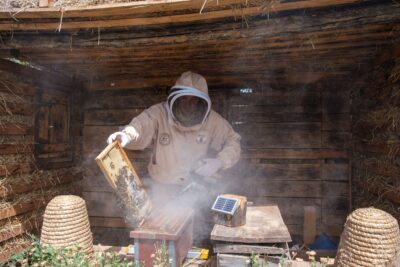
{"x":121,"y":136}
{"x":208,"y":167}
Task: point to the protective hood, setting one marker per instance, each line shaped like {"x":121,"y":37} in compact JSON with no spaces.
{"x":189,"y":84}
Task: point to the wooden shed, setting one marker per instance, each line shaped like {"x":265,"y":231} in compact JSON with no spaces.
{"x":312,"y":86}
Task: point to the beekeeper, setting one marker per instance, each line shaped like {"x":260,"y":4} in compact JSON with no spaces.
{"x":184,"y":132}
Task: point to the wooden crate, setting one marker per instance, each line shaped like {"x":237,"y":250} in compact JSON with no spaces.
{"x":170,"y":225}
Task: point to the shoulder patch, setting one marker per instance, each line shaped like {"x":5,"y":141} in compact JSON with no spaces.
{"x":164,"y":139}
{"x":201,"y":138}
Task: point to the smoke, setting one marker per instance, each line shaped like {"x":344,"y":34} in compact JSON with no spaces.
{"x":197,"y":194}
{"x":92,"y":175}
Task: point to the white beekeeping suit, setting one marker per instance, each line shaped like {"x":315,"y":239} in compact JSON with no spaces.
{"x":181,"y":138}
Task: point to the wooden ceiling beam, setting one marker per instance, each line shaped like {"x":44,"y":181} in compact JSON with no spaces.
{"x":93,"y":22}
{"x":284,"y":49}
{"x":293,"y":54}
{"x":97,"y":55}
{"x":314,"y":62}
{"x":298,"y":39}
{"x":267,"y":53}
{"x":95,"y":69}
{"x":380,"y":18}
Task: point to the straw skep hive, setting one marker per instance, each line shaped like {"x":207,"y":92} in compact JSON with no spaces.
{"x":66,"y":223}
{"x":371,"y":238}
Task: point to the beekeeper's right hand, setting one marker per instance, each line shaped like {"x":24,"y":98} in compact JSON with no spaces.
{"x":121,"y":136}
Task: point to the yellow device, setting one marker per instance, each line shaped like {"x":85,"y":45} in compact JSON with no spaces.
{"x":204,"y":254}
{"x":198,"y":253}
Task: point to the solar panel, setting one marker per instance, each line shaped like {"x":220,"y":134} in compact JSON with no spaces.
{"x":225,"y":205}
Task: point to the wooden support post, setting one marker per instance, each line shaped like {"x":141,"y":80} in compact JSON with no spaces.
{"x":310,"y":224}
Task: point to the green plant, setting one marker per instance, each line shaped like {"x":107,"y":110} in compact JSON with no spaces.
{"x":254,"y":260}
{"x":282,"y":261}
{"x":311,"y":257}
{"x":109,"y":259}
{"x":161,"y":258}
{"x":46,"y":255}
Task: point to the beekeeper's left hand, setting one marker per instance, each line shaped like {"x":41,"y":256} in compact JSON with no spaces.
{"x":208,"y":167}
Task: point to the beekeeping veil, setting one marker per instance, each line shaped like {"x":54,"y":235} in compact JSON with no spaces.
{"x":189,"y":84}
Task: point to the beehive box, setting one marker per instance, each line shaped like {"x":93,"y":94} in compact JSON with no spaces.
{"x":170,"y":225}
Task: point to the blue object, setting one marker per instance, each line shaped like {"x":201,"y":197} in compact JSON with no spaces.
{"x":323,"y":242}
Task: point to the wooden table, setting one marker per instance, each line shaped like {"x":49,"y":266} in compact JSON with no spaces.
{"x":264,"y":227}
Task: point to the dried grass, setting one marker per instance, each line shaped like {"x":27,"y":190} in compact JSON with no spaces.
{"x":12,"y":83}
{"x":383,"y":184}
{"x":17,"y":158}
{"x":269,"y":7}
{"x":377,"y":187}
{"x":53,"y":176}
{"x":10,"y":101}
{"x":388,"y":119}
{"x":15,"y":244}
{"x":17,"y":139}
{"x":38,"y":196}
{"x":24,"y":4}
{"x":392,"y":157}
{"x":13,"y":98}
{"x":382,"y":86}
{"x":18,"y":119}
{"x":363,"y":198}
{"x":88,"y":2}
{"x":383,"y":120}
{"x":9,"y":4}
{"x":10,"y":224}
{"x":386,"y":163}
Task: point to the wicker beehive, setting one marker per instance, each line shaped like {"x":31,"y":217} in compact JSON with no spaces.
{"x":66,"y":223}
{"x":370,"y":238}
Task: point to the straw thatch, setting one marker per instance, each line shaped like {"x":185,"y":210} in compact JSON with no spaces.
{"x":371,"y":238}
{"x":10,"y":4}
{"x":14,"y":246}
{"x":66,"y":224}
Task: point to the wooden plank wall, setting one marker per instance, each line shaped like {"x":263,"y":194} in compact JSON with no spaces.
{"x":283,"y":130}
{"x":33,"y":170}
{"x":295,"y":142}
{"x":376,"y":143}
